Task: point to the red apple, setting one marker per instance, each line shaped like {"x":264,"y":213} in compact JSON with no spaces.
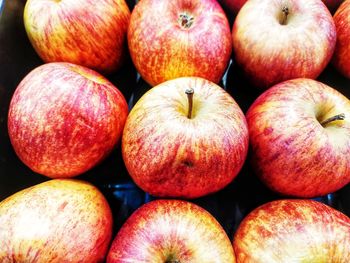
{"x":179,"y":145}
{"x":56,"y":221}
{"x":64,"y":119}
{"x":171,"y":231}
{"x":299,"y":132}
{"x":341,"y":57}
{"x":280,"y":40}
{"x":170,"y":39}
{"x":88,"y":33}
{"x":293,"y":231}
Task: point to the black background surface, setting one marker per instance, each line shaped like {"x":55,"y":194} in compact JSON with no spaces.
{"x":18,"y":58}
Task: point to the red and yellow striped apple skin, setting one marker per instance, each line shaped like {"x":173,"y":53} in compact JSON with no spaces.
{"x":60,"y":220}
{"x":301,"y":48}
{"x":162,"y":50}
{"x":293,"y":231}
{"x":64,"y":119}
{"x":165,"y":230}
{"x":341,"y":57}
{"x":90,"y":33}
{"x":168,"y":154}
{"x":291,"y":151}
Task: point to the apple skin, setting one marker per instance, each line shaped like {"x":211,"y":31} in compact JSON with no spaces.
{"x":60,"y":220}
{"x":270,"y":52}
{"x":64,"y":119}
{"x":162,"y":49}
{"x":76,"y":31}
{"x":168,"y":154}
{"x":341,"y":56}
{"x":171,"y":231}
{"x":291,"y":151}
{"x":293,"y":231}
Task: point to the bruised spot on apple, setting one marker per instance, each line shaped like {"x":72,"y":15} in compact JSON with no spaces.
{"x":64,"y":119}
{"x":293,"y":231}
{"x":186,"y":137}
{"x":169,"y":231}
{"x":299,"y":133}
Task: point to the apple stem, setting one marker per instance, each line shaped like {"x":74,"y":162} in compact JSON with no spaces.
{"x":189,"y":93}
{"x":186,"y":20}
{"x":337,"y":117}
{"x":285,"y":12}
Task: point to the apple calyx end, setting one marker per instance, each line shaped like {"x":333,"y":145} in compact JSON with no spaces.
{"x":338,"y":117}
{"x":185,"y":20}
{"x":189,"y":92}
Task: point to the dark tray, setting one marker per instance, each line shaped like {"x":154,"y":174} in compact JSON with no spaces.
{"x":229,"y":206}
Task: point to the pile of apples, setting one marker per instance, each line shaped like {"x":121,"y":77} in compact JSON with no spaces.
{"x":186,"y":137}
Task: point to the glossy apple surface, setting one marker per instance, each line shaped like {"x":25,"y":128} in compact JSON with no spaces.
{"x":275,"y":41}
{"x":293,"y":231}
{"x":170,"y":39}
{"x":87,"y":33}
{"x":341,"y":57}
{"x":169,"y":154}
{"x":59,"y":220}
{"x":171,"y":231}
{"x":64,"y":119}
{"x":295,"y":148}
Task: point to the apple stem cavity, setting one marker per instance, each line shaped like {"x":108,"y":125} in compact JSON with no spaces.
{"x":338,"y":117}
{"x":285,"y":11}
{"x":185,"y":20}
{"x":189,"y":92}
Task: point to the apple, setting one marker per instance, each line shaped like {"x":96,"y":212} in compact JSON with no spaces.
{"x":60,"y":220}
{"x":186,"y":137}
{"x":171,"y":231}
{"x":299,"y":132}
{"x":275,"y":41}
{"x":87,"y":33}
{"x":64,"y":119}
{"x":341,"y":57}
{"x":170,"y":39}
{"x":293,"y":231}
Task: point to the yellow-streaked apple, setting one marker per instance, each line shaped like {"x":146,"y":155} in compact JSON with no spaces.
{"x":299,"y":132}
{"x":277,"y":40}
{"x":293,"y":230}
{"x":171,"y":231}
{"x":64,"y":119}
{"x":185,"y":137}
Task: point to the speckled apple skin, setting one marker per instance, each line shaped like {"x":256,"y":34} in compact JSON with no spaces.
{"x":341,"y":57}
{"x":301,"y":48}
{"x":165,"y":230}
{"x":84,"y":32}
{"x":293,"y":231}
{"x":64,"y":119}
{"x":169,"y":155}
{"x":61,"y":220}
{"x":291,"y":151}
{"x":162,"y":49}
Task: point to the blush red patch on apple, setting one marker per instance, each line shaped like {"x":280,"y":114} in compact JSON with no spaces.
{"x":184,"y":102}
